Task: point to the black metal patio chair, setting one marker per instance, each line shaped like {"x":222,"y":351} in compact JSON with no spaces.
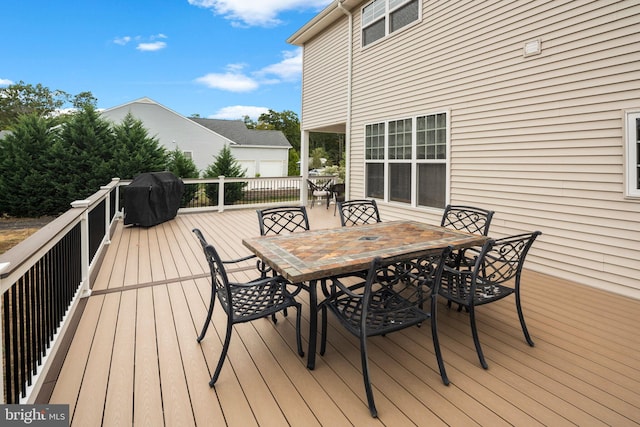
{"x":471,"y":219}
{"x":337,"y":194}
{"x":494,"y":275}
{"x":467,"y":218}
{"x":282,"y":219}
{"x":320,"y":190}
{"x":390,"y":299}
{"x":358,"y":212}
{"x":278,"y":220}
{"x":244,"y":302}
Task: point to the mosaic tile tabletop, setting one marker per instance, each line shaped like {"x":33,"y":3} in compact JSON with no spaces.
{"x":318,"y":254}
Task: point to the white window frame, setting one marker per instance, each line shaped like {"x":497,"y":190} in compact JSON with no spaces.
{"x":632,"y":159}
{"x":389,"y":6}
{"x":188,"y":154}
{"x":414,"y":161}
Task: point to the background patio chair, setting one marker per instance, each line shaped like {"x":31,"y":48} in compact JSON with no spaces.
{"x":467,"y":218}
{"x":243,"y":302}
{"x":283,"y":219}
{"x":320,"y":190}
{"x":495,"y":275}
{"x":470,"y":219}
{"x":358,"y":212}
{"x":337,"y":194}
{"x":390,"y":299}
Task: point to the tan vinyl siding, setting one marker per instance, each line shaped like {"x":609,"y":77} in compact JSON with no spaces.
{"x":539,"y":139}
{"x":325,"y":78}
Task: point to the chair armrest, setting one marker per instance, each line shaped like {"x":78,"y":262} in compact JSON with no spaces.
{"x":235,"y":261}
{"x":262,"y":281}
{"x":344,"y":289}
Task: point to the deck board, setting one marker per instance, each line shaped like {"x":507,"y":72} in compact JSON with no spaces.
{"x":134,"y":359}
{"x":119,"y":405}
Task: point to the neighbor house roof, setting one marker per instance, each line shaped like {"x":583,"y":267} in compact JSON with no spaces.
{"x":237,"y":131}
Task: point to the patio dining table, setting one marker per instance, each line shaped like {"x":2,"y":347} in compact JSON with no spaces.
{"x":316,"y":255}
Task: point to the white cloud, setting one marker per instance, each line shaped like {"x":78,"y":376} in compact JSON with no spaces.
{"x":236,"y":80}
{"x":145,"y":44}
{"x":232,"y":82}
{"x":151,"y":47}
{"x":290,"y":68}
{"x":122,"y":40}
{"x":236,"y":112}
{"x":262,"y":13}
{"x":5,"y":82}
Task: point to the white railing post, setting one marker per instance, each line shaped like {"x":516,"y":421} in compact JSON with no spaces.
{"x":85,"y":288}
{"x":221,"y":194}
{"x":107,"y":216}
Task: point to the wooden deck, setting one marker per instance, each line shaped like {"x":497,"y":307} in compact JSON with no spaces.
{"x":134,"y":359}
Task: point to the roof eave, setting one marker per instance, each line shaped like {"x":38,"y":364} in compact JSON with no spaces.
{"x":322,"y":20}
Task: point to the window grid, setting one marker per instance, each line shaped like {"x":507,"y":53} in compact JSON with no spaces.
{"x":373,"y":11}
{"x":374,"y":143}
{"x":632,"y":154}
{"x":403,"y":16}
{"x":411,"y":168}
{"x":378,"y":20}
{"x":400,"y":139}
{"x":431,"y":136}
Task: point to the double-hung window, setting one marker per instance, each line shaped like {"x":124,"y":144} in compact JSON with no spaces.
{"x":383,"y":17}
{"x":406,"y":160}
{"x":632,"y":154}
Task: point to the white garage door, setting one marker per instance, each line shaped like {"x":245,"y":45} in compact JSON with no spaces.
{"x":271,"y":168}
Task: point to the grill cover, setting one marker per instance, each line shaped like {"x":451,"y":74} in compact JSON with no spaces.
{"x":152,"y":198}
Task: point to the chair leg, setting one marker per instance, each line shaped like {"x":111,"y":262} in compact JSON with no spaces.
{"x":209,"y":313}
{"x":298,"y":323}
{"x":521,"y":317}
{"x":476,"y":340}
{"x":365,"y":376}
{"x":223,"y":354}
{"x":436,"y":341}
{"x":323,"y":336}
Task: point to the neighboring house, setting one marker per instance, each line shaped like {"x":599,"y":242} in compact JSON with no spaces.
{"x":263,"y":152}
{"x":529,"y":108}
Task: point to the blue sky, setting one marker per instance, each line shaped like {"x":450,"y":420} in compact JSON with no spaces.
{"x":216,"y":58}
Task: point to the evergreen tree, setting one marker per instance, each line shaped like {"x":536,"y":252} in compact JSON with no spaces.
{"x":135,"y":152}
{"x":183,"y":167}
{"x":294,"y":165}
{"x":88,"y":153}
{"x":29,"y":183}
{"x":225,"y":165}
{"x":180,"y":165}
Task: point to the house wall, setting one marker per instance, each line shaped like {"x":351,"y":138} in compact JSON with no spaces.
{"x":325,"y":78}
{"x":538,"y":139}
{"x":173,"y":131}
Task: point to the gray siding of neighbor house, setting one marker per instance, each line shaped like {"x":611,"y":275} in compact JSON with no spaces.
{"x":173,"y":130}
{"x":539,"y":139}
